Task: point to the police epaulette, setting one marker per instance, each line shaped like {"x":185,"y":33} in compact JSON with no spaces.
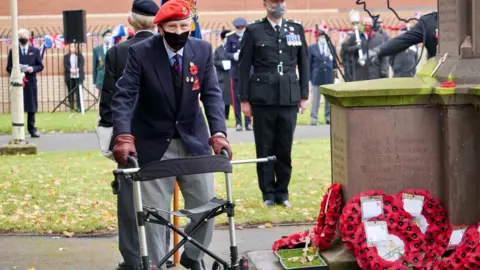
{"x":296,"y":22}
{"x":257,"y":21}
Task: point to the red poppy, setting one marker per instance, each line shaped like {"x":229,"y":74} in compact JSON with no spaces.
{"x":448,"y":85}
{"x":464,"y":256}
{"x":292,"y":241}
{"x":193,"y":69}
{"x":328,"y":217}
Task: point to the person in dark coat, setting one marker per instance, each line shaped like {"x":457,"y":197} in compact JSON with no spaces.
{"x":379,"y":29}
{"x":323,"y":69}
{"x":99,"y":52}
{"x":219,"y":60}
{"x":404,"y":63}
{"x":232,"y":48}
{"x":426,"y":29}
{"x":156,"y":115}
{"x":274,"y":94}
{"x":368,"y":71}
{"x":30,"y":64}
{"x":141,"y":19}
{"x":74,"y":74}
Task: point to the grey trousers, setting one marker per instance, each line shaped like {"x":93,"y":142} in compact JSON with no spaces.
{"x":316,"y":105}
{"x":196,"y":189}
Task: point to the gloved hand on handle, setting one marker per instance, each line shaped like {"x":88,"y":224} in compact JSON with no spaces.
{"x":219,"y":142}
{"x":124,"y":147}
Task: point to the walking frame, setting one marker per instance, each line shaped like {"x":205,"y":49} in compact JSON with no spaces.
{"x":185,"y":166}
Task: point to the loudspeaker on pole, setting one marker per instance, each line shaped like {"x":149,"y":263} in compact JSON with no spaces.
{"x":74,"y":26}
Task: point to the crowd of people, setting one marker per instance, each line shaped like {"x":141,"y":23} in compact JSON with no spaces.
{"x":152,"y":84}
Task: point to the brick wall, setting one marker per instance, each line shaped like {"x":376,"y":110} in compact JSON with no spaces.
{"x":49,"y":7}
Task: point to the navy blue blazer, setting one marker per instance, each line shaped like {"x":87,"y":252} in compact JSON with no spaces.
{"x":144,"y":101}
{"x":231,"y":47}
{"x":321,"y":67}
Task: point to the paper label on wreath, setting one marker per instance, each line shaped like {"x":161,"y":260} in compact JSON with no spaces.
{"x":375,"y":231}
{"x":421,"y":222}
{"x":413,"y":204}
{"x":456,"y":238}
{"x":371,"y":206}
{"x":392,"y":249}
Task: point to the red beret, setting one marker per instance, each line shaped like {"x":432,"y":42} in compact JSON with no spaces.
{"x":172,"y":10}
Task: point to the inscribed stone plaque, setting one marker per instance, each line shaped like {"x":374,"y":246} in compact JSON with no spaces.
{"x":394,"y":149}
{"x":448,"y":21}
{"x":339,"y":145}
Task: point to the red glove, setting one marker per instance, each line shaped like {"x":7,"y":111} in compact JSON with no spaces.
{"x":124,"y":147}
{"x":219,"y":143}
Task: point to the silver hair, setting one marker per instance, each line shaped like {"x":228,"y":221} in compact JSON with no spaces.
{"x":141,"y":22}
{"x":23,"y":33}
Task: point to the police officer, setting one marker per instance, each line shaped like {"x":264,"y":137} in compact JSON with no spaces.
{"x":403,"y":64}
{"x":273,"y":94}
{"x":232,"y":48}
{"x":426,"y":28}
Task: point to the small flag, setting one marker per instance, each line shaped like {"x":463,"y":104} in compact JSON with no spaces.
{"x":119,"y":32}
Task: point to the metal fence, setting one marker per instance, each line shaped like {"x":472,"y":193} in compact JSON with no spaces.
{"x":50,"y":82}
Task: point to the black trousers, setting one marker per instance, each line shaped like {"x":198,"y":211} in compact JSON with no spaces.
{"x":237,"y":105}
{"x":31,"y":123}
{"x":128,"y":243}
{"x":273,"y":128}
{"x":71,"y":85}
{"x":227,"y":111}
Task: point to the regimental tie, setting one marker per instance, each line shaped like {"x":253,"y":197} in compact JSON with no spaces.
{"x":277,"y":29}
{"x":176,"y":64}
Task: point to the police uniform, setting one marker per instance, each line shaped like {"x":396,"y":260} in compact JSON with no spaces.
{"x":403,"y":64}
{"x":274,"y":92}
{"x":232,"y":46}
{"x":428,"y":25}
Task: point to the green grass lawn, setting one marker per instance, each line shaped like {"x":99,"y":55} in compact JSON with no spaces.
{"x":67,"y":192}
{"x":64,"y":122}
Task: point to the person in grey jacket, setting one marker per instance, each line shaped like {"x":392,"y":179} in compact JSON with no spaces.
{"x":403,"y":64}
{"x":222,"y":66}
{"x":323,"y":69}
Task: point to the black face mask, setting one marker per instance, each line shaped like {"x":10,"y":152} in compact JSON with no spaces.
{"x":23,"y":41}
{"x":176,"y":41}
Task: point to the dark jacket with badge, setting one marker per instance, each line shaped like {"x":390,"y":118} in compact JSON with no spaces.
{"x":222,"y":74}
{"x":33,"y":59}
{"x":428,"y":25}
{"x":231,"y":47}
{"x":321,"y":66}
{"x":274,"y":57}
{"x":369,"y":71}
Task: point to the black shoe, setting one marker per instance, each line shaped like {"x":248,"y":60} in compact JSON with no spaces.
{"x":170,"y":264}
{"x":124,"y":266}
{"x":35,"y":135}
{"x":328,"y":122}
{"x":286,"y":204}
{"x":268,"y":203}
{"x":191,"y":264}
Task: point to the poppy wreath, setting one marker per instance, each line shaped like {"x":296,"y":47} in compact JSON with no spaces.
{"x":330,"y":211}
{"x":351,"y":217}
{"x":403,"y":228}
{"x":466,"y":254}
{"x":438,"y":230}
{"x":295,"y":240}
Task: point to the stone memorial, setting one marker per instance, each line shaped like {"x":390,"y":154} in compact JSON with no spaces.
{"x":410,"y":133}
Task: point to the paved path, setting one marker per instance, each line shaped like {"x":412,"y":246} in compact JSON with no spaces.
{"x":88,"y":141}
{"x":47,"y":253}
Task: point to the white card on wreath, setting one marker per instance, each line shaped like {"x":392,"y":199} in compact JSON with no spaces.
{"x":413,"y":204}
{"x":375,"y":231}
{"x":456,"y":238}
{"x":371,"y":207}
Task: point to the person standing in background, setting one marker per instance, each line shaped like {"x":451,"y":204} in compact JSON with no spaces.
{"x":404,"y":63}
{"x":379,"y":29}
{"x":323,"y":69}
{"x":73,"y":74}
{"x":222,"y":66}
{"x":30,"y":64}
{"x":232,"y":48}
{"x":99,"y":53}
{"x":274,"y":94}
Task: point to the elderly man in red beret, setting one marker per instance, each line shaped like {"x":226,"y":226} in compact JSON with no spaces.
{"x":156,"y":115}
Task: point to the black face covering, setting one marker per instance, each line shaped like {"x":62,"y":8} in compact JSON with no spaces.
{"x":23,"y":41}
{"x":176,"y":41}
